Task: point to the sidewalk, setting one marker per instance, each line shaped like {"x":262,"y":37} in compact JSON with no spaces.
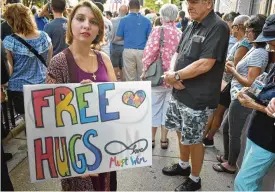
{"x":138,"y":179}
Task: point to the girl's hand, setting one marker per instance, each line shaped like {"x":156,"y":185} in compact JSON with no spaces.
{"x":86,"y":81}
{"x":89,"y":175}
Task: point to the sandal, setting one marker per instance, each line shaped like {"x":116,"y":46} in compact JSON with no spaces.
{"x":220,"y":168}
{"x":164,"y":144}
{"x":153,"y":144}
{"x":220,"y":158}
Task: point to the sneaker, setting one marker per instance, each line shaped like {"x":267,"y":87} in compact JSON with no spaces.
{"x":176,"y":169}
{"x":189,"y":185}
{"x":208,"y":143}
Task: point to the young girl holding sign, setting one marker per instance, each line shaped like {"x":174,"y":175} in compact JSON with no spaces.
{"x":80,"y":63}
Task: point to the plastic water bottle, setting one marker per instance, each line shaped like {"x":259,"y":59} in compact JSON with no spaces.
{"x":257,"y":86}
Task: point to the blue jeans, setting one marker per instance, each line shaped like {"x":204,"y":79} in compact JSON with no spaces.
{"x":256,"y":163}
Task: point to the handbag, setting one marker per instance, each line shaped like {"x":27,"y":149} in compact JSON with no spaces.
{"x":31,"y":49}
{"x":155,"y":71}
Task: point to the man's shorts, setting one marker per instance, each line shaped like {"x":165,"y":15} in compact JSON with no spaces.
{"x":116,"y":55}
{"x":191,"y":123}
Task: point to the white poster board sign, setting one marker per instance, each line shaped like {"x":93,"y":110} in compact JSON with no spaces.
{"x":75,"y":129}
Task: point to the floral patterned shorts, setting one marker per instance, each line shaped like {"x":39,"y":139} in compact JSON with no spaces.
{"x":191,"y":123}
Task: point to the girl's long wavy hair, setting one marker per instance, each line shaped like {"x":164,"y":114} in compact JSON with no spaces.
{"x":20,"y":18}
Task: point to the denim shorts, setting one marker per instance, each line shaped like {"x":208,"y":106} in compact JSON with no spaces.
{"x":116,"y":55}
{"x":191,"y":123}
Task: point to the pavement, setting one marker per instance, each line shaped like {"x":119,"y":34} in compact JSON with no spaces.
{"x":137,"y":179}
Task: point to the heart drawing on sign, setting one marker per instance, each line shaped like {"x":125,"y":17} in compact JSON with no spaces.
{"x":134,"y":99}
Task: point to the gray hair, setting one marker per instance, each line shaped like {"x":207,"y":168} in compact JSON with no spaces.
{"x":241,"y":19}
{"x":169,"y":12}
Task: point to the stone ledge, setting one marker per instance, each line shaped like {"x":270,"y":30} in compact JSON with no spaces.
{"x":14,"y":132}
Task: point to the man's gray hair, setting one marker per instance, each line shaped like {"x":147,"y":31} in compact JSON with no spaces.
{"x":169,"y":12}
{"x":241,"y":19}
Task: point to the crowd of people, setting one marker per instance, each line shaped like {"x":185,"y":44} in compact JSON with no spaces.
{"x":210,"y":65}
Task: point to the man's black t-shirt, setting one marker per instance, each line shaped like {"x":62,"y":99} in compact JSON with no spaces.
{"x":261,"y":129}
{"x":206,"y":40}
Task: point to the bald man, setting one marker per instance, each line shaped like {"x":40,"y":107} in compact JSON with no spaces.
{"x":118,"y":46}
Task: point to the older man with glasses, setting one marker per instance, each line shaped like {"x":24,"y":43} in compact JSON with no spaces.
{"x":196,"y":82}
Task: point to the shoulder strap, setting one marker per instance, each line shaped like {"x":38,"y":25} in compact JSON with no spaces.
{"x":30,"y":48}
{"x":99,"y":58}
{"x":248,"y":53}
{"x":161,"y":41}
{"x":72,"y":70}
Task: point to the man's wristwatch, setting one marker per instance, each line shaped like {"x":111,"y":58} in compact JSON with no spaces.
{"x":177,"y":76}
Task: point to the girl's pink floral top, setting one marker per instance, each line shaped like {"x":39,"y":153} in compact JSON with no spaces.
{"x":152,"y":50}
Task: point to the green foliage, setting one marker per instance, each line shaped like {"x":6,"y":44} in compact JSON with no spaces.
{"x":177,"y":3}
{"x":30,"y":3}
{"x":151,"y":4}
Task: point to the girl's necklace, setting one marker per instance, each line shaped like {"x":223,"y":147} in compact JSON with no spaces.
{"x":94,"y":76}
{"x":90,"y":55}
